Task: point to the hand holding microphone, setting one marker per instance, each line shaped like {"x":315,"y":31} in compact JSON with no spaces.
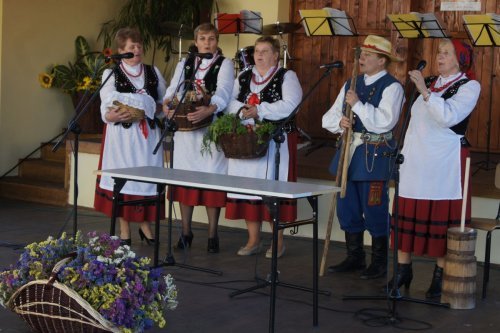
{"x":417,"y":78}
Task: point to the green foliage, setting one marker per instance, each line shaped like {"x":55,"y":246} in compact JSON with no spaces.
{"x":83,"y":74}
{"x":148,"y":16}
{"x":229,"y":123}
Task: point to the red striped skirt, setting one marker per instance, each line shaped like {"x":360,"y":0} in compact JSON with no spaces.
{"x":256,"y":210}
{"x":103,"y":200}
{"x":423,"y":224}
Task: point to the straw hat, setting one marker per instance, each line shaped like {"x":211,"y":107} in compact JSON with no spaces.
{"x":377,"y":44}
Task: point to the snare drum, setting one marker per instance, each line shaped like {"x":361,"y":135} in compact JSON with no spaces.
{"x":245,"y":57}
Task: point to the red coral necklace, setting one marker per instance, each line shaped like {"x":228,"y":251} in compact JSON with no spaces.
{"x":266,"y":79}
{"x":433,"y":89}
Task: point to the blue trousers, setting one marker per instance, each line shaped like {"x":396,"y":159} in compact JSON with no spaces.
{"x":365,"y":207}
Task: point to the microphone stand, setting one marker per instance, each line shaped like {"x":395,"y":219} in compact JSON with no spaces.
{"x":171,"y":127}
{"x":394,"y":295}
{"x":279,"y":137}
{"x":74,"y":127}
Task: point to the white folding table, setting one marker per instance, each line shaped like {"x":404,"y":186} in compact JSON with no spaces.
{"x":271,"y":191}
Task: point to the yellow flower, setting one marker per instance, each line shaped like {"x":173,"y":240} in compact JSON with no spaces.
{"x":45,"y":80}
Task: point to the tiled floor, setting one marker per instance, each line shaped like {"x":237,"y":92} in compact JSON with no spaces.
{"x":205,"y":305}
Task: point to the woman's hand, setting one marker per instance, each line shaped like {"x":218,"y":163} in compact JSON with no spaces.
{"x":167,"y":111}
{"x":201,"y":113}
{"x":418,"y":79}
{"x":250,"y":111}
{"x":117,"y":114}
{"x":345,"y":123}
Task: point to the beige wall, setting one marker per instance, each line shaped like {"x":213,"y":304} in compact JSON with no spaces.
{"x":34,"y":35}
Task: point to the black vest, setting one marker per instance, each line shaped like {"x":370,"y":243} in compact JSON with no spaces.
{"x":210,"y":78}
{"x":271,"y":93}
{"x":123,"y":84}
{"x":461,"y":127}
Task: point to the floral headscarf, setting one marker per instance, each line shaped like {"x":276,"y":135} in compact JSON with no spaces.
{"x":465,"y":57}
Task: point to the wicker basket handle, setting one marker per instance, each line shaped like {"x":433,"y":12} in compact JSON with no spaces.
{"x":237,"y":118}
{"x":59,"y":265}
{"x":206,"y":97}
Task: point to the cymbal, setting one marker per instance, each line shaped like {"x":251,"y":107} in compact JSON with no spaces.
{"x":280,"y":28}
{"x":177,"y":30}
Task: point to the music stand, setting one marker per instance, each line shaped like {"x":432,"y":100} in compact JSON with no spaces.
{"x":416,"y":25}
{"x":327,"y":22}
{"x":483,"y":31}
{"x":236,"y":24}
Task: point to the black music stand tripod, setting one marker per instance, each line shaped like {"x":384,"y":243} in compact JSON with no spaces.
{"x":171,"y":127}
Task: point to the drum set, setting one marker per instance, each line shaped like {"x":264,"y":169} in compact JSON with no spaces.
{"x":244,"y":56}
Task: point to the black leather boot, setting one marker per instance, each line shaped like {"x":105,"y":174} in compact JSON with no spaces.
{"x":378,"y":266}
{"x":355,"y":254}
{"x":436,"y":284}
{"x":404,"y":277}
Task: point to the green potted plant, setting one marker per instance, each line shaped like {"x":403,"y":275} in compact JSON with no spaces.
{"x":80,"y":76}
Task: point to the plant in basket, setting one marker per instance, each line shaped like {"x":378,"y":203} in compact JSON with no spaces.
{"x":110,"y":278}
{"x":237,"y":139}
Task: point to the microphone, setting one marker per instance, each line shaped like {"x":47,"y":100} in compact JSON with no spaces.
{"x":119,"y":56}
{"x":336,"y":64}
{"x":421,"y":65}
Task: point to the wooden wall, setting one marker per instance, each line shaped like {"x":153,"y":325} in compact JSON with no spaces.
{"x":370,"y":17}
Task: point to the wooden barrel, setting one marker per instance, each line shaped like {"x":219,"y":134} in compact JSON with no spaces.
{"x":459,"y":278}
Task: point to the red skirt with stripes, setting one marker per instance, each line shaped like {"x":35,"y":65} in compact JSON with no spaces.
{"x":256,"y":210}
{"x":103,"y":200}
{"x":423,"y":224}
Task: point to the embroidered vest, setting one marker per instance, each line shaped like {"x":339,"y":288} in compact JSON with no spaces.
{"x":123,"y":85}
{"x":369,"y":94}
{"x":211,"y":76}
{"x":271,"y":93}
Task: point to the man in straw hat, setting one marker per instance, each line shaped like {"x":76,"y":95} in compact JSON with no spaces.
{"x":376,"y":102}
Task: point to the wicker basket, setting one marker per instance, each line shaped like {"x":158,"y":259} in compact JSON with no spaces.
{"x":49,"y":306}
{"x":135,"y":113}
{"x":189,"y":105}
{"x":243,"y":146}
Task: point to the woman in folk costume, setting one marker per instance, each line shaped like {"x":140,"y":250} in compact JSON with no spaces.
{"x":435,"y":151}
{"x":129,"y":109}
{"x":215,"y":76}
{"x":376,"y":104}
{"x":267,"y":92}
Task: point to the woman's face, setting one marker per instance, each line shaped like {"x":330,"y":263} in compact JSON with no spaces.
{"x":206,"y":42}
{"x":265,"y":57}
{"x":136,"y":49}
{"x":447,"y":60}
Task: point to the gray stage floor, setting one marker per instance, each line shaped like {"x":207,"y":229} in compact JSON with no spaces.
{"x":204,"y":302}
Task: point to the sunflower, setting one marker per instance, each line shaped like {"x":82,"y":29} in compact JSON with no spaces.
{"x":45,"y":80}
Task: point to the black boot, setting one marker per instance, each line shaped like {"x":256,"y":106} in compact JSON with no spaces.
{"x":436,"y":284}
{"x":404,"y":276}
{"x":378,"y":267}
{"x":355,"y":254}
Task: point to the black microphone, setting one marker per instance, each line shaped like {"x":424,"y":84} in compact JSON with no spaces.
{"x":421,"y":65}
{"x":336,"y":64}
{"x":118,"y":56}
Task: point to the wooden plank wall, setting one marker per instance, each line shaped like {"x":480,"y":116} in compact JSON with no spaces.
{"x":370,"y":17}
